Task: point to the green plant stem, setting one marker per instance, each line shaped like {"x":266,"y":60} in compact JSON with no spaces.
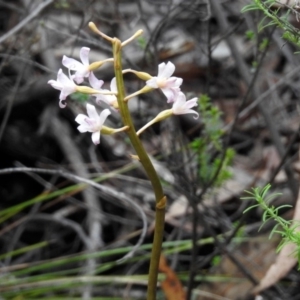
{"x":149,"y":169}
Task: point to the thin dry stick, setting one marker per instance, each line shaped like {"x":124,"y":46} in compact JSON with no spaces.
{"x":67,"y":223}
{"x":23,"y":23}
{"x":61,"y":133}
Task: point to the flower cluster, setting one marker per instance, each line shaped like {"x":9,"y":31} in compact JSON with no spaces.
{"x":78,"y":72}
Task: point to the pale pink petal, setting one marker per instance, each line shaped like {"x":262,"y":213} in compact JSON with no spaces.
{"x":66,"y":91}
{"x":190,"y":111}
{"x":83,"y":128}
{"x":93,"y":123}
{"x":63,"y":79}
{"x":101,"y":97}
{"x":55,"y":84}
{"x":91,"y":111}
{"x":113,"y":85}
{"x":152,"y":83}
{"x":71,"y":63}
{"x":65,"y":84}
{"x":62,"y":103}
{"x":173,"y":82}
{"x":96,"y":137}
{"x":191,"y":103}
{"x":80,"y":118}
{"x":94,"y":82}
{"x":80,"y":74}
{"x":78,"y":78}
{"x":165,"y":71}
{"x":181,"y":106}
{"x":103,"y":116}
{"x":171,"y":94}
{"x":84,"y":55}
{"x":180,"y":100}
{"x":62,"y":96}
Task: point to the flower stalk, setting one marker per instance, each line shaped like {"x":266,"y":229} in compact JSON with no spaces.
{"x":149,"y":169}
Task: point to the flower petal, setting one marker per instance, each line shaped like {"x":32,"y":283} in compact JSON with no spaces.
{"x":63,"y":79}
{"x":191,"y":111}
{"x":83,"y":128}
{"x":173,"y":82}
{"x":94,"y":82}
{"x":152,"y":83}
{"x":80,"y":118}
{"x":84,"y":55}
{"x":62,"y":103}
{"x":181,"y":106}
{"x":191,"y":103}
{"x":179,"y":101}
{"x":92,"y":112}
{"x":166,"y":71}
{"x":96,"y":137}
{"x":171,"y":93}
{"x":71,"y":63}
{"x":103,"y":116}
{"x":55,"y":84}
{"x":113,"y":85}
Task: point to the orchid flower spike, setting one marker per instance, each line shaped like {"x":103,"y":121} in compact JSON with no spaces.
{"x":65,"y":84}
{"x":109,"y":99}
{"x":81,"y":68}
{"x":181,"y":106}
{"x":168,"y":85}
{"x":92,"y":122}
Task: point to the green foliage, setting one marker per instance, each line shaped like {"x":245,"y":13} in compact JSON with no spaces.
{"x":56,"y":277}
{"x":142,"y":42}
{"x":62,"y":4}
{"x":264,"y":44}
{"x":79,"y":97}
{"x":209,"y":146}
{"x":276,"y":16}
{"x":250,"y":35}
{"x":240,"y":232}
{"x":288,"y":230}
{"x":216,"y":260}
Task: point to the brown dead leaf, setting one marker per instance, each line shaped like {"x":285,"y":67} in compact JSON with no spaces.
{"x":284,"y":262}
{"x":171,"y":286}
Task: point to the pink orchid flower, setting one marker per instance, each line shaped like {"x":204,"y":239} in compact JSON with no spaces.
{"x":168,"y":85}
{"x":97,"y":84}
{"x":181,"y":106}
{"x":81,"y":68}
{"x":65,"y":84}
{"x":92,"y":122}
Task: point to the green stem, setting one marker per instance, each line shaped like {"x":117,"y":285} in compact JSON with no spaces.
{"x":149,"y":169}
